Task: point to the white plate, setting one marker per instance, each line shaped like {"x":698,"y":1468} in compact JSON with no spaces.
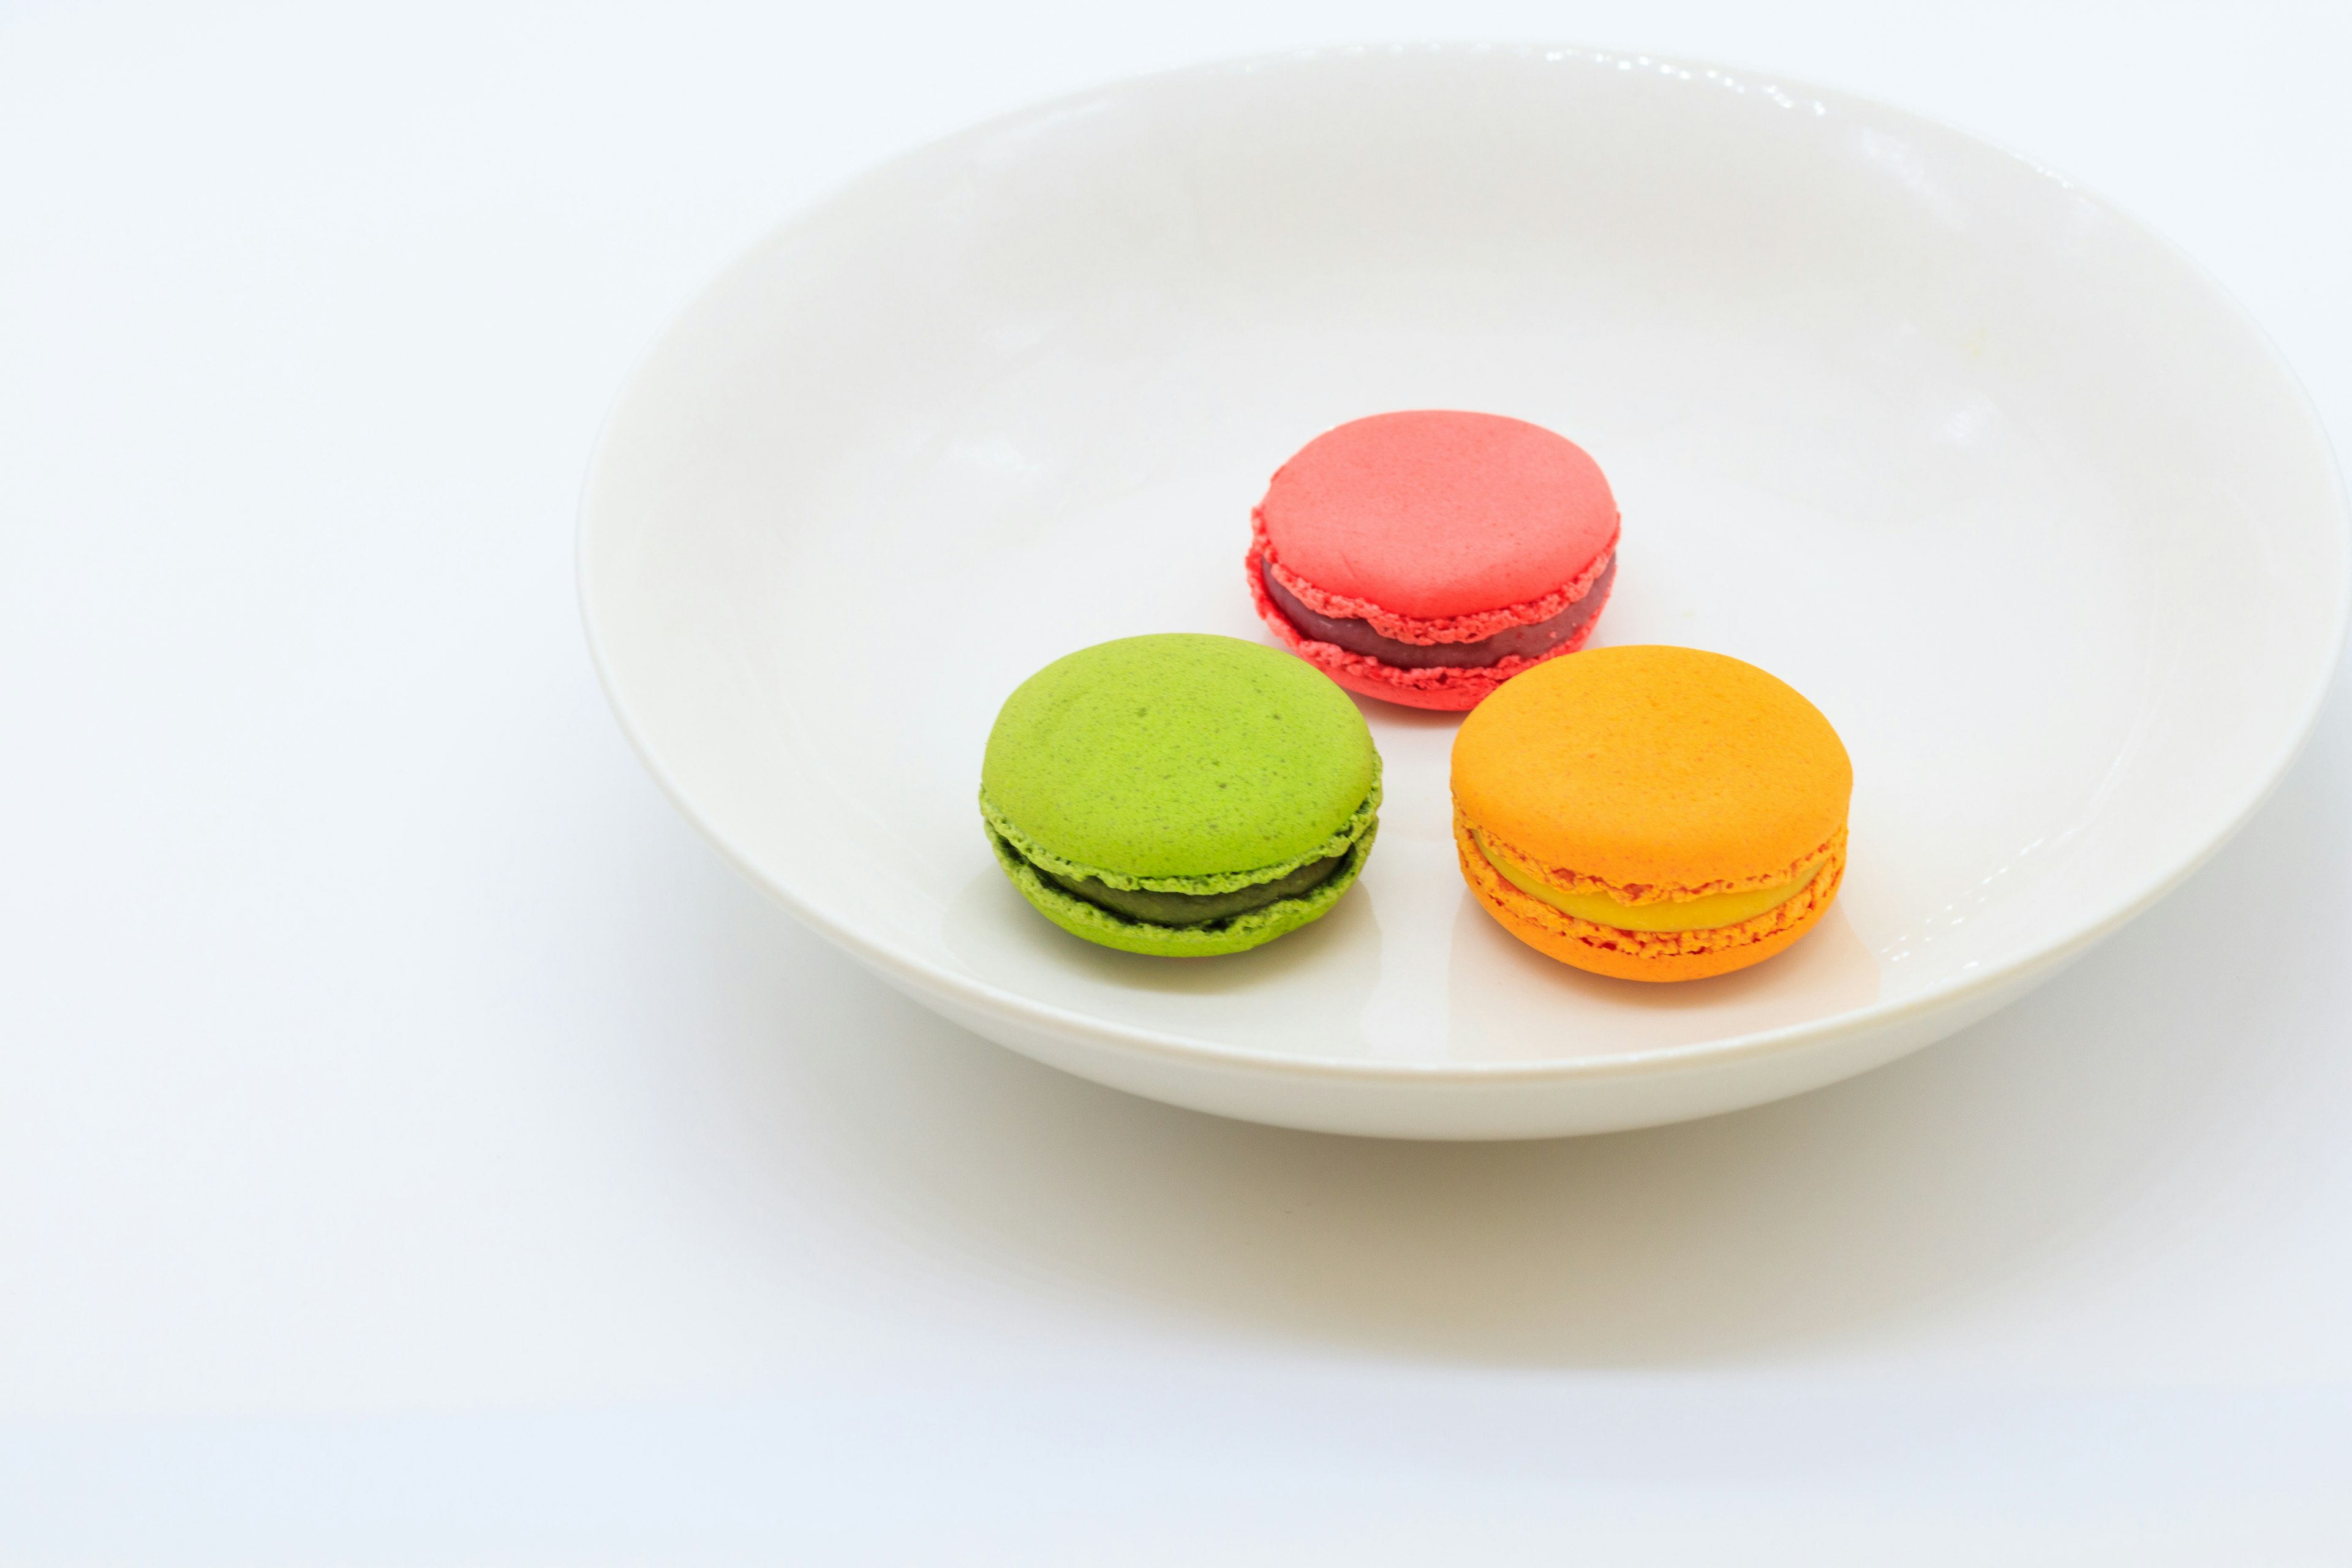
{"x":1997,"y":479}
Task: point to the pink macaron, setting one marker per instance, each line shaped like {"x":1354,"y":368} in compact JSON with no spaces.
{"x":1427,"y":557}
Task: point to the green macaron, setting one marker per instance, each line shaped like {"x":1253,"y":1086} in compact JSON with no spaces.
{"x":1181,"y":795}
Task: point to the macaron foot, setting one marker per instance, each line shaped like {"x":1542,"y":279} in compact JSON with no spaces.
{"x":1648,"y":955}
{"x":1450,"y":688}
{"x":1238,"y":933}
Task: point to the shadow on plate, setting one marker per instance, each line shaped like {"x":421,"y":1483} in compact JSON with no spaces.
{"x":993,"y":929}
{"x":1505,"y":998}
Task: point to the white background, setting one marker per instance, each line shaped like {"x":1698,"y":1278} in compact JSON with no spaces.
{"x":414,"y":1146}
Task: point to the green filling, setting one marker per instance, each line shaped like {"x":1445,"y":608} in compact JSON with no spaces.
{"x":1193,"y":909}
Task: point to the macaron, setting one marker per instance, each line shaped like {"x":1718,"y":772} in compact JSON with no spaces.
{"x":1652,"y":812}
{"x":1181,"y":795}
{"x":1427,"y":557}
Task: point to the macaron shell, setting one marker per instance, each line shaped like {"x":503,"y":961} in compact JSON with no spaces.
{"x":1433,"y":513}
{"x":1450,"y":688}
{"x":1181,"y":761}
{"x":1105,"y":929}
{"x":1646,"y":956}
{"x":1651,"y":769}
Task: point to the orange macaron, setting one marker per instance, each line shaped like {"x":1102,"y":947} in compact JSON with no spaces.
{"x":1652,"y":812}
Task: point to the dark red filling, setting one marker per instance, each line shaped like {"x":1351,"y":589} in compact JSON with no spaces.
{"x":1358,"y":637}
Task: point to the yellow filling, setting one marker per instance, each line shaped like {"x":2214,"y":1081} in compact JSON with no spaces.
{"x":1668,"y":914}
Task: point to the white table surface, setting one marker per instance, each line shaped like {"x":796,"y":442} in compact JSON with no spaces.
{"x":416,"y":1146}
